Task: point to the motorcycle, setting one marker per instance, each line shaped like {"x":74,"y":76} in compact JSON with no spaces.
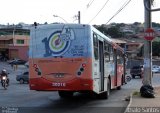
{"x":128,"y":78}
{"x":4,"y":82}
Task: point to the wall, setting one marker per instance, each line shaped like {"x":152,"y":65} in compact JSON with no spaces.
{"x":22,"y":52}
{"x":22,"y":37}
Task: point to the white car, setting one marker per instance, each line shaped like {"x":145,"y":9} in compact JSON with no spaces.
{"x":156,"y":69}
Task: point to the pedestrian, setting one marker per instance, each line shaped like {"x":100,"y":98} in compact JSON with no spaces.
{"x":14,"y":67}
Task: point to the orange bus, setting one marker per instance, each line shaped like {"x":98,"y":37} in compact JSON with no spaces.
{"x":72,"y":58}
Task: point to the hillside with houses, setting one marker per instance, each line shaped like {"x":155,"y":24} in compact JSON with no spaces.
{"x":14,"y":39}
{"x":131,"y":37}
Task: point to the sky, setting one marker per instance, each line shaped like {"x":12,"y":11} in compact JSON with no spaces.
{"x":41,"y":11}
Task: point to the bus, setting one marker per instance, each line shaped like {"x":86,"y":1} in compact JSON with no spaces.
{"x":71,"y":58}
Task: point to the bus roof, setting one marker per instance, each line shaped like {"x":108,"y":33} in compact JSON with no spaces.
{"x":58,"y":25}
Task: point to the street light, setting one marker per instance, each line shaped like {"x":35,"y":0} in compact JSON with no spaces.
{"x":60,"y":17}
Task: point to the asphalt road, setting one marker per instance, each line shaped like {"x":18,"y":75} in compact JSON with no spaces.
{"x":18,"y":98}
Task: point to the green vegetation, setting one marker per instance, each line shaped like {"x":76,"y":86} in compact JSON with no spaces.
{"x":136,"y":93}
{"x":155,"y":24}
{"x":115,"y":30}
{"x":156,"y":48}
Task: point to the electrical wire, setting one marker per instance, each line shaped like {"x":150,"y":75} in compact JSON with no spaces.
{"x":90,"y":3}
{"x":123,"y":6}
{"x":149,"y":9}
{"x":99,"y":11}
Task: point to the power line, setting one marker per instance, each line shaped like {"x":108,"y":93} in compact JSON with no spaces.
{"x":149,"y":9}
{"x":90,"y":3}
{"x":123,"y":6}
{"x":99,"y":11}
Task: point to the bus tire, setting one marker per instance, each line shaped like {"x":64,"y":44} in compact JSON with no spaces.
{"x":65,"y":94}
{"x":119,"y":88}
{"x":21,"y":81}
{"x":122,"y":81}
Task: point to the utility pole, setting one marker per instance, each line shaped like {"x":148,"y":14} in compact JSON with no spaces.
{"x":147,"y":90}
{"x":79,"y":17}
{"x":147,"y":80}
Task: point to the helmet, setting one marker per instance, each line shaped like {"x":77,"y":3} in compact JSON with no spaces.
{"x":4,"y":70}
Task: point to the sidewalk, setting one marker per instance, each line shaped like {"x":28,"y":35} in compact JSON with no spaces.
{"x":140,"y":104}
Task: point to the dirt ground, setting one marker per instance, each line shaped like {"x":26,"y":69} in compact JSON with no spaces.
{"x":157,"y":91}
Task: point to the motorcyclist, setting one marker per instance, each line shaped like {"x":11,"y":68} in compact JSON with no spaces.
{"x":4,"y":73}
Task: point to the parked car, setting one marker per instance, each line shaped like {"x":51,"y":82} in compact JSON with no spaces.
{"x":156,"y":69}
{"x":17,"y":62}
{"x":9,"y":61}
{"x":137,"y":71}
{"x":22,"y":78}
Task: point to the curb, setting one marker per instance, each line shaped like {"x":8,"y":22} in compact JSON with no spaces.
{"x":130,"y":102}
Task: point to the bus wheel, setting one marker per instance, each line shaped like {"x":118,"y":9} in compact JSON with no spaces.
{"x":21,"y":81}
{"x":119,"y":88}
{"x":65,"y":94}
{"x":122,"y":81}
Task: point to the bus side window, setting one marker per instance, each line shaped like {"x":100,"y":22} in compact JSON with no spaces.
{"x":106,"y":52}
{"x":95,"y":44}
{"x":119,"y":57}
{"x":111,"y":54}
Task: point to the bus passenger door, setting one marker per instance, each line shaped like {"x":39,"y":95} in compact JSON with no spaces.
{"x":101,"y":65}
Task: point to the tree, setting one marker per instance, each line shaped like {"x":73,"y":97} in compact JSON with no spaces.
{"x":155,"y":24}
{"x":156,"y":48}
{"x":141,"y":52}
{"x":136,"y":23}
{"x":101,"y":28}
{"x":113,"y":31}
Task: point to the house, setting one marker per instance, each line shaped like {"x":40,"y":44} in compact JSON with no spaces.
{"x":131,"y":48}
{"x":14,"y":43}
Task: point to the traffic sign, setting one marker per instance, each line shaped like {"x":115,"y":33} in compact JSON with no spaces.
{"x":149,"y":34}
